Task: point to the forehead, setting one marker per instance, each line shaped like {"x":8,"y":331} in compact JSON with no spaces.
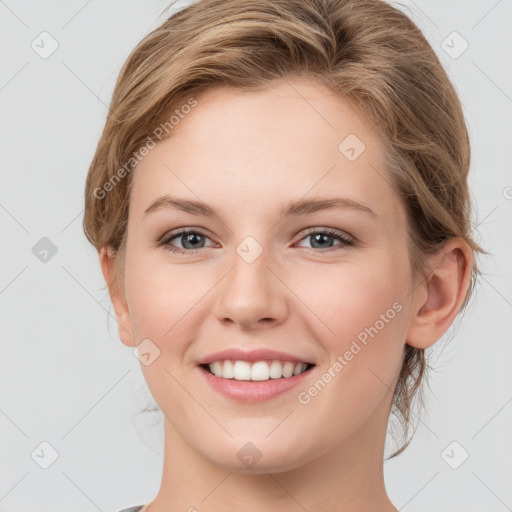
{"x":269,"y":146}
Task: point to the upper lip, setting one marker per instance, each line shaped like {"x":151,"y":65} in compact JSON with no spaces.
{"x":259,"y":354}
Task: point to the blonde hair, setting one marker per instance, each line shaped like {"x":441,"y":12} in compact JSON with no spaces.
{"x":366,"y":51}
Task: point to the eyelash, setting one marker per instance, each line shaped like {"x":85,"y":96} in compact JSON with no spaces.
{"x":166,"y":240}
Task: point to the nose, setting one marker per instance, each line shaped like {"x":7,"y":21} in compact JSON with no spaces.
{"x":251,"y":295}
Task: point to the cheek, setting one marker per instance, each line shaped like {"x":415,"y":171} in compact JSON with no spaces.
{"x":165,"y":307}
{"x":366,"y":316}
{"x":360,"y":318}
{"x":344,"y":301}
{"x":161,"y":297}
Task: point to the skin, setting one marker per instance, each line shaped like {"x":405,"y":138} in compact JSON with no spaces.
{"x":248,"y":154}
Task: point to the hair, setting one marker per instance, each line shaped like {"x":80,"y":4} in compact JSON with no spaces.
{"x":367,"y":51}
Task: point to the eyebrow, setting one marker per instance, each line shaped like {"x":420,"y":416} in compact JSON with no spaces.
{"x":293,"y":208}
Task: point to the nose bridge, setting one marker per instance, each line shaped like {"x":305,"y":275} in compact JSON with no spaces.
{"x":251,"y":292}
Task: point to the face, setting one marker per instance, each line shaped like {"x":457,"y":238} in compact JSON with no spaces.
{"x":304,"y":261}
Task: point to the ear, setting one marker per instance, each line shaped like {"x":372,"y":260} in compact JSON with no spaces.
{"x":117,"y":295}
{"x":438,"y":300}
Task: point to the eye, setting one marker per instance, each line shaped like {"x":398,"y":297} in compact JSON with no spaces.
{"x":190,"y":239}
{"x":323,"y":238}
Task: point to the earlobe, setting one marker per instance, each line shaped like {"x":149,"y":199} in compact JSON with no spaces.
{"x":117,"y":296}
{"x":440,"y":298}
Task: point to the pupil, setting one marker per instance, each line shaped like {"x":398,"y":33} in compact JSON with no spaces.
{"x":189,"y":238}
{"x":319,"y":237}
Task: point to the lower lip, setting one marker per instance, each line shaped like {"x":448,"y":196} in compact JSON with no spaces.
{"x":253,"y":391}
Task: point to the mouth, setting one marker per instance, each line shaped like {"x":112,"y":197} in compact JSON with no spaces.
{"x":256,"y":371}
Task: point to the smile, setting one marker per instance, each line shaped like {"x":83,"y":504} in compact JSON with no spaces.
{"x":256,"y":371}
{"x":254,"y":382}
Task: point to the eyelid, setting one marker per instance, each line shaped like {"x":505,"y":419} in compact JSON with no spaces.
{"x":331,"y":231}
{"x":175,"y":234}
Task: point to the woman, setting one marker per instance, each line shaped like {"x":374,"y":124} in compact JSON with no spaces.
{"x":280,"y":205}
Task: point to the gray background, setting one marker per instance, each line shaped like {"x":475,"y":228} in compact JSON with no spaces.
{"x":66,"y":379}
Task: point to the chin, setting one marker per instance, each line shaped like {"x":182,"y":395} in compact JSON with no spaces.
{"x":258,"y":457}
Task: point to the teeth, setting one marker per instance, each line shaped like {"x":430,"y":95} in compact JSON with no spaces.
{"x":241,"y":370}
{"x":276,"y":370}
{"x":216,"y":367}
{"x":257,"y":371}
{"x":228,"y":371}
{"x":260,"y":371}
{"x":297,"y":369}
{"x":288,"y":369}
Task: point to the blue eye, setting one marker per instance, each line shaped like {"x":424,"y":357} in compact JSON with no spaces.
{"x":321,"y":237}
{"x":194,"y":240}
{"x":189,"y":238}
